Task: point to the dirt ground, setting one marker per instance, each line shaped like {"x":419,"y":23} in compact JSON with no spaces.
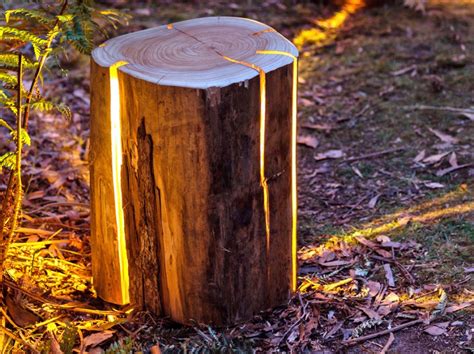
{"x":385,"y":185}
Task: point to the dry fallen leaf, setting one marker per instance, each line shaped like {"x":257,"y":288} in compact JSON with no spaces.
{"x":330,"y":154}
{"x":444,"y":137}
{"x":305,"y":102}
{"x":458,"y":307}
{"x":370,"y":313}
{"x":97,"y":338}
{"x":389,"y":275}
{"x":437,"y":329}
{"x":21,"y":316}
{"x":453,"y":160}
{"x":435,"y":158}
{"x":325,"y":127}
{"x":420,"y":156}
{"x":357,"y":171}
{"x":468,"y":115}
{"x":373,"y":201}
{"x":308,"y":140}
{"x":434,"y":185}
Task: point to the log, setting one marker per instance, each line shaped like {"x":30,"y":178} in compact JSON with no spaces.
{"x":193,"y":169}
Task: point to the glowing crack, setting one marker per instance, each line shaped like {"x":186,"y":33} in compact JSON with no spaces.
{"x":294,"y":191}
{"x":116,"y":144}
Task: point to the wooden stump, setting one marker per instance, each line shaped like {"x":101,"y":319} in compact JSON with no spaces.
{"x":193,"y":171}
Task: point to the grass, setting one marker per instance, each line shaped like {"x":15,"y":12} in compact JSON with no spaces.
{"x":449,"y":246}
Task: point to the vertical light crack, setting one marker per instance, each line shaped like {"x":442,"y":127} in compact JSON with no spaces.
{"x":116,"y":144}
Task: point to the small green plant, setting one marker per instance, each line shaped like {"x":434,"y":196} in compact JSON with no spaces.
{"x":31,"y":36}
{"x":122,"y":346}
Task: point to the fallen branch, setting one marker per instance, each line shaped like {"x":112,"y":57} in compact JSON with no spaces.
{"x":381,"y":333}
{"x":372,"y":155}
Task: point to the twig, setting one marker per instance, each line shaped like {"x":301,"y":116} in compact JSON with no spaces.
{"x":444,"y":108}
{"x":293,"y":325}
{"x":372,"y":155}
{"x":391,"y":338}
{"x":381,"y":333}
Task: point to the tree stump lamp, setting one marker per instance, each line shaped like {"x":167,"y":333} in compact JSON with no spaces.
{"x":193,"y":169}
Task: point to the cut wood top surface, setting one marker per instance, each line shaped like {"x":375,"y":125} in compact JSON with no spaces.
{"x":192,"y":53}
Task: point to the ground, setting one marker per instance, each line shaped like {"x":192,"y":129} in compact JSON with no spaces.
{"x":385,"y":186}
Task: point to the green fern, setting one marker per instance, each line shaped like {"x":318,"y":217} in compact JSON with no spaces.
{"x":8,"y":160}
{"x":24,"y":36}
{"x":25,"y":137}
{"x":9,"y":104}
{"x":3,"y":123}
{"x":8,"y":80}
{"x":10,"y":62}
{"x":35,"y":16}
{"x":122,"y":346}
{"x":46,"y":106}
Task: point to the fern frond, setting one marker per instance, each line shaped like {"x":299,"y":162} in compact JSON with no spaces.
{"x":44,"y":105}
{"x":8,"y":80}
{"x":10,"y":62}
{"x":22,"y":36}
{"x":9,"y":104}
{"x":24,"y":136}
{"x":3,"y":95}
{"x":3,"y":123}
{"x":35,"y":16}
{"x":65,"y":18}
{"x":8,"y":160}
{"x":357,"y":332}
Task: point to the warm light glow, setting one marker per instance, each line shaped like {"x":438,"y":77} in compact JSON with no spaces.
{"x":263,"y":179}
{"x":116,"y":143}
{"x":445,"y":206}
{"x":321,"y":34}
{"x":294,"y":191}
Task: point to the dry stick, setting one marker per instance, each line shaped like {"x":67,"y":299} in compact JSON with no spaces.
{"x":371,"y":155}
{"x":381,"y":333}
{"x":445,"y":108}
